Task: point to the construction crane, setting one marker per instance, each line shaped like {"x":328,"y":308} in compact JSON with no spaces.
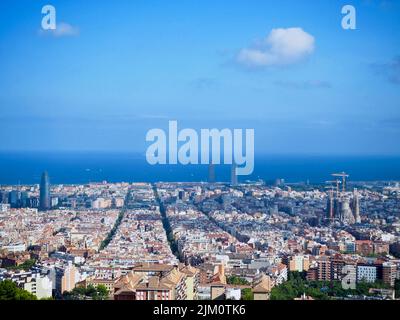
{"x":337,"y":182}
{"x":343,"y":175}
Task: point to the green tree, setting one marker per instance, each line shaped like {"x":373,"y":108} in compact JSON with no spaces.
{"x":247,"y":294}
{"x":397,"y":288}
{"x":27,"y":265}
{"x":102,"y":292}
{"x":99,"y":292}
{"x":235,"y":280}
{"x":320,"y":290}
{"x":10,"y":291}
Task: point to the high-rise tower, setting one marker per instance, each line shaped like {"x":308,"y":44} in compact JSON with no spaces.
{"x":45,"y":192}
{"x":355,"y":206}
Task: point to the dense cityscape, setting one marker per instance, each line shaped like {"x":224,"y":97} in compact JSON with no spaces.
{"x":202,"y":241}
{"x":199,"y":159}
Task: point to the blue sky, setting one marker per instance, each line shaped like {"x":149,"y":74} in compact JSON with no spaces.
{"x":118,"y":68}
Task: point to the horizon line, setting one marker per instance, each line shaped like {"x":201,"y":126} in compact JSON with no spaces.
{"x":135,"y":152}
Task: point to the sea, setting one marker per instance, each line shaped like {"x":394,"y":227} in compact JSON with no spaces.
{"x":85,"y":167}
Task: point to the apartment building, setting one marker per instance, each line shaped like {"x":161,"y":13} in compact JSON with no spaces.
{"x":150,"y":285}
{"x":367,"y":273}
{"x":262,"y":286}
{"x":298,"y":263}
{"x":389,"y":272}
{"x":39,"y":285}
{"x":324,"y":269}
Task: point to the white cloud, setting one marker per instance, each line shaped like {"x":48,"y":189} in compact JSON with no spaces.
{"x":63,"y":29}
{"x":281,"y":47}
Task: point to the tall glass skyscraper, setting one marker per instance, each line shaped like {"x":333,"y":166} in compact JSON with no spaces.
{"x":45,"y":192}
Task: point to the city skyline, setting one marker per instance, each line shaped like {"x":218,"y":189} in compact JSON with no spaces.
{"x":202,"y":241}
{"x":207,"y":151}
